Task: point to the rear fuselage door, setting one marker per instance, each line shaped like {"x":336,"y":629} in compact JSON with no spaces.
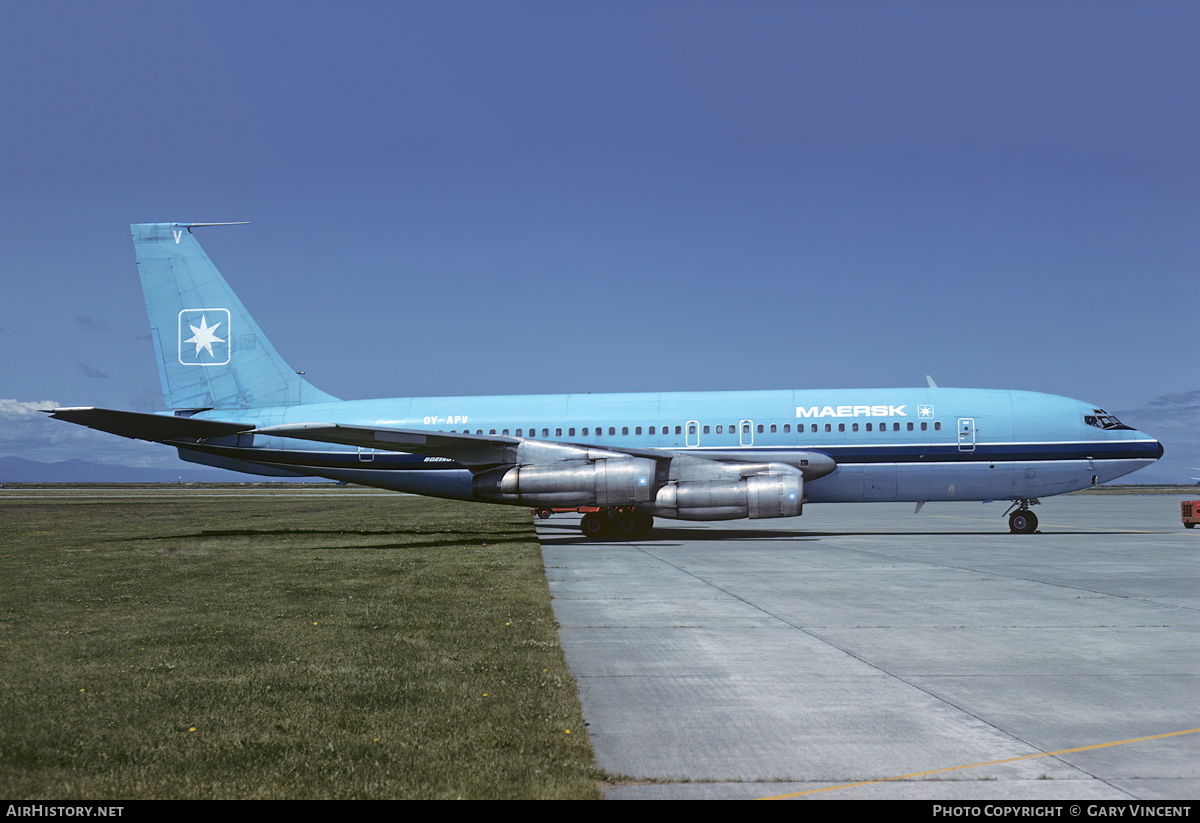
{"x":693,"y":433}
{"x":966,"y":434}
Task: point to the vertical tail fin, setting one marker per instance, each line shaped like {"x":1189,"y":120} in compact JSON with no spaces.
{"x":211,"y":353}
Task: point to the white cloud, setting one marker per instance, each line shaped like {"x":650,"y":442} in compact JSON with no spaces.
{"x":26,"y":432}
{"x":16,"y":408}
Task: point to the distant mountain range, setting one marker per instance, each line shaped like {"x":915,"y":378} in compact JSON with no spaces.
{"x":20,"y":470}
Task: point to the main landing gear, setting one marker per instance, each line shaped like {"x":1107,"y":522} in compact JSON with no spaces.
{"x":624,"y":522}
{"x":1022,"y":520}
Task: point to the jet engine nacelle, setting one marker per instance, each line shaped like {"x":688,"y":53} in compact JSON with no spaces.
{"x":776,"y":492}
{"x":617,"y":481}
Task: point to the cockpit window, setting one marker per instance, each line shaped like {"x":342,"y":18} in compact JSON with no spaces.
{"x":1103,"y":420}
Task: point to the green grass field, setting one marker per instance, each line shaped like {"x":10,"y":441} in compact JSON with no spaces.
{"x":337,"y":646}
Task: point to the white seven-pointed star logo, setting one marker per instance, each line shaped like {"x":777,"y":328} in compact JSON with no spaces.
{"x":211,"y":337}
{"x":204,"y":336}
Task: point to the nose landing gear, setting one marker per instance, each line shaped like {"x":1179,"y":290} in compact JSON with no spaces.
{"x":1022,"y":520}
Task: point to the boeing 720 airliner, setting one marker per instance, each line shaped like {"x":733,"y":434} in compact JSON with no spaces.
{"x":232,"y":402}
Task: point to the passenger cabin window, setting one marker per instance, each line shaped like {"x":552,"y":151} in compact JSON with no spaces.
{"x":679,"y":430}
{"x":773,"y":428}
{"x":720,"y":429}
{"x":937,"y":426}
{"x":652,"y":429}
{"x":828,"y":427}
{"x":612,"y":430}
{"x":706,"y":429}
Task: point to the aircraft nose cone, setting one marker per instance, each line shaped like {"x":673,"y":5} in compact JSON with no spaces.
{"x":1160,"y":451}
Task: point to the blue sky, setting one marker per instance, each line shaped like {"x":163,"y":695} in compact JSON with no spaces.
{"x":512,"y":197}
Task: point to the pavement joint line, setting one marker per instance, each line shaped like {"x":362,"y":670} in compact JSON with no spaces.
{"x":986,"y":763}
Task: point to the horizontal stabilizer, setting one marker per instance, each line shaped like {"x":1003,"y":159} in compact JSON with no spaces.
{"x":143,"y":426}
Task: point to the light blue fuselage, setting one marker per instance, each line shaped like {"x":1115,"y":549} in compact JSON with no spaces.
{"x":912,"y":444}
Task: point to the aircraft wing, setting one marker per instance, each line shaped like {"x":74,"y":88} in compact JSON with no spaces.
{"x":482,"y":452}
{"x":142,"y":426}
{"x":477,"y":452}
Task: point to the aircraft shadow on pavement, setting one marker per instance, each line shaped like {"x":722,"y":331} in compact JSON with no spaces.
{"x":566,"y":533}
{"x":570,"y":534}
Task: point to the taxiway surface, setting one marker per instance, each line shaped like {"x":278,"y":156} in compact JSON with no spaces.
{"x":864,"y":651}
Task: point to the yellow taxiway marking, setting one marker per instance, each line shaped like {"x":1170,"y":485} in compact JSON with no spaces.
{"x":987,"y":763}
